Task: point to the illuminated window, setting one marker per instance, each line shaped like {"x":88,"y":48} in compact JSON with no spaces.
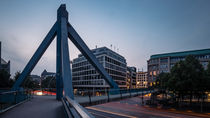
{"x":154,"y":73}
{"x":150,"y":73}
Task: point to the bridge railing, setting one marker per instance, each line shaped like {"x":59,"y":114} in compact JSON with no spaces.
{"x":74,"y":110}
{"x":9,"y":99}
{"x":93,"y":97}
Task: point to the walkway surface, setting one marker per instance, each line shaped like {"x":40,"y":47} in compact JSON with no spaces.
{"x":49,"y":107}
{"x":38,"y":107}
{"x":132,"y":108}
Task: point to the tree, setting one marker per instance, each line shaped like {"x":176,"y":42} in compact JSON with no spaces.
{"x":187,"y":77}
{"x":28,"y":82}
{"x":17,"y":74}
{"x":49,"y":82}
{"x":162,"y":80}
{"x":208,"y":77}
{"x":5,"y":81}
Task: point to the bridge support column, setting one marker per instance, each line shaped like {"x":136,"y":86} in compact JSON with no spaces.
{"x":63,"y":50}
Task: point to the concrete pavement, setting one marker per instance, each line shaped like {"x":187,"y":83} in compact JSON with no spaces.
{"x":38,"y":107}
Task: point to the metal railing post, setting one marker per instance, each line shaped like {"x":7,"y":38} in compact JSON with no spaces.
{"x":1,"y":107}
{"x":120,"y":94}
{"x":27,"y":94}
{"x":137,"y":92}
{"x":15,"y":97}
{"x":89,"y":98}
{"x":108,"y":95}
{"x":142,"y":98}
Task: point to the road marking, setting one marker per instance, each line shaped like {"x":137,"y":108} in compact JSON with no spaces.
{"x":119,"y":114}
{"x":144,"y":112}
{"x":99,"y":115}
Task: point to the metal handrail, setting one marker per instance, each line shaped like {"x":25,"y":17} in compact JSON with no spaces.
{"x":137,"y":89}
{"x":9,"y":92}
{"x":80,"y":111}
{"x":10,"y":99}
{"x":120,"y":91}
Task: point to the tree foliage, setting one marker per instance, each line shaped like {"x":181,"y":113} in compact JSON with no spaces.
{"x":187,"y":78}
{"x":28,"y":82}
{"x":187,"y":75}
{"x":162,"y":80}
{"x":49,"y":82}
{"x":5,"y":81}
{"x":208,"y":77}
{"x":17,"y":74}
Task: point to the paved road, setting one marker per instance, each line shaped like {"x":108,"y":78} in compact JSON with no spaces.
{"x":132,"y":108}
{"x":38,"y":107}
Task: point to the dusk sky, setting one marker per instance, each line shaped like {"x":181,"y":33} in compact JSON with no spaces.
{"x":138,"y":28}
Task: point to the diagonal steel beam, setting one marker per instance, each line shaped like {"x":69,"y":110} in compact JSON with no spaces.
{"x":35,"y":58}
{"x":80,"y":44}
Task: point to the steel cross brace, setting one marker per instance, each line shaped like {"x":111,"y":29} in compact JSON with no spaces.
{"x":35,"y":58}
{"x":63,"y":30}
{"x":80,"y":44}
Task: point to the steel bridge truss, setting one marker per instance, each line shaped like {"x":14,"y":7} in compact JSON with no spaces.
{"x":63,"y":30}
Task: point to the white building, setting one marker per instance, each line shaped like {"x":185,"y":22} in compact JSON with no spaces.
{"x":86,"y":77}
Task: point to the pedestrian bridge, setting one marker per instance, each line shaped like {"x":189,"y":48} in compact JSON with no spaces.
{"x":47,"y":106}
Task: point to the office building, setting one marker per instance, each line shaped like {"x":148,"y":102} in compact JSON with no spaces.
{"x":46,"y":74}
{"x":3,"y":64}
{"x":85,"y":76}
{"x":131,"y":77}
{"x":35,"y":78}
{"x":164,"y":62}
{"x":141,"y":80}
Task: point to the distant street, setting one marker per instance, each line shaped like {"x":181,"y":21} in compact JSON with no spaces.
{"x":132,"y":108}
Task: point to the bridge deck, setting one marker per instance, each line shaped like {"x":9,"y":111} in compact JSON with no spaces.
{"x":38,"y":107}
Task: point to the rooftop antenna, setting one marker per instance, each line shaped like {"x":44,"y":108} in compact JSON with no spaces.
{"x":111,"y":46}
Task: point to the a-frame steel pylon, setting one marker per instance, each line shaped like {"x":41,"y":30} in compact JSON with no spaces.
{"x":63,"y":29}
